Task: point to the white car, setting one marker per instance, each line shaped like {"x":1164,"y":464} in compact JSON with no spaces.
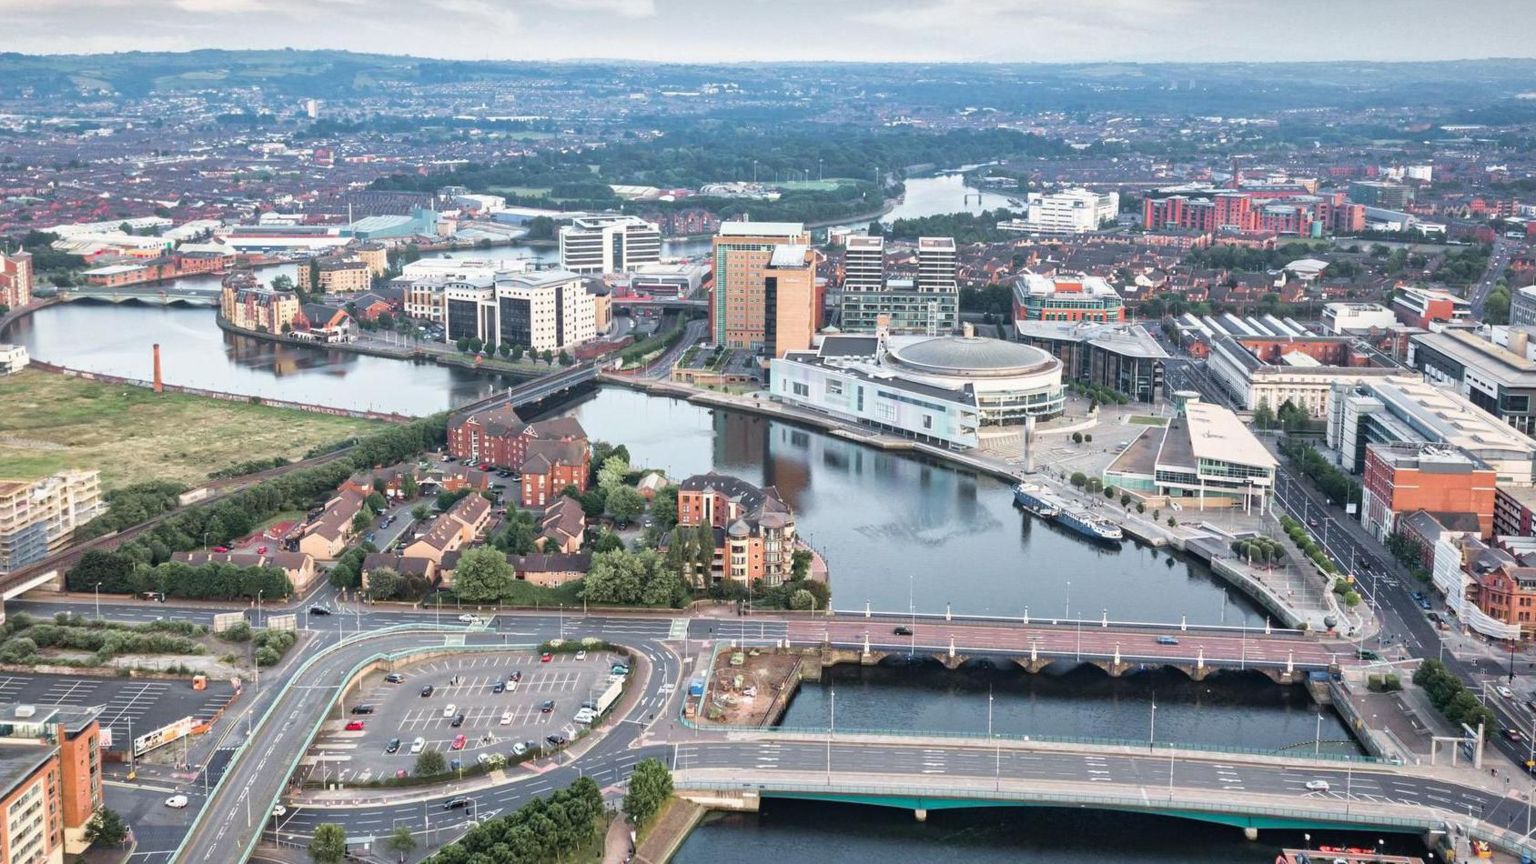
{"x":467,"y":618}
{"x":279,"y":811}
{"x":450,"y":709}
{"x":418,"y":745}
{"x":506,"y":718}
{"x":176,"y":802}
{"x":519,"y":749}
{"x":585,"y":716}
{"x":1504,"y":691}
{"x":581,"y":655}
{"x":1318,"y":786}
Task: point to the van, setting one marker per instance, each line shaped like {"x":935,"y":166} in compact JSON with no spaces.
{"x":450,"y":709}
{"x":418,"y":745}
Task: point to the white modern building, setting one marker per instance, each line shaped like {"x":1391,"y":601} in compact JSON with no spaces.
{"x":1299,"y":379}
{"x":1206,"y":456}
{"x":608,"y":244}
{"x":863,"y":263}
{"x":1069,"y":211}
{"x":1340,"y":318}
{"x":550,"y":310}
{"x":13,"y":358}
{"x":936,"y":265}
{"x":945,"y":389}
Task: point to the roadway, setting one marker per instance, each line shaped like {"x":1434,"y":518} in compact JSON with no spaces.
{"x":1504,"y":250}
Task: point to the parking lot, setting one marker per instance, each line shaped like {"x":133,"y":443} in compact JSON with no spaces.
{"x":145,"y":704}
{"x":467,"y":686}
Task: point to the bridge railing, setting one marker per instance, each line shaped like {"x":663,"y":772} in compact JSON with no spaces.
{"x":1086,"y":623}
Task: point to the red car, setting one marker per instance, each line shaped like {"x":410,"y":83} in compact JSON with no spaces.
{"x":221,"y":549}
{"x":545,"y":657}
{"x":458,"y":743}
{"x":356,"y":726}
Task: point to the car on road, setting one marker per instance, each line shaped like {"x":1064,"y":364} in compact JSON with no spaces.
{"x":176,"y":802}
{"x":458,"y":720}
{"x":221,"y":549}
{"x":548,"y":706}
{"x":1167,"y":640}
{"x":450,"y":709}
{"x":506,"y":718}
{"x":902,"y":630}
{"x":394,"y":678}
{"x":455,"y":803}
{"x":393,"y":746}
{"x":519,"y":749}
{"x":356,"y":726}
{"x":499,"y":687}
{"x":458,"y":742}
{"x":1318,"y":786}
{"x":427,"y":691}
{"x":1504,"y":691}
{"x":319,"y":610}
{"x":1513,"y":736}
{"x":467,"y":618}
{"x":418,"y":745}
{"x":1312,"y":523}
{"x":546,"y":657}
{"x":555,"y":740}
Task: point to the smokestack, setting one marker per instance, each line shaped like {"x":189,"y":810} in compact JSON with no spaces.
{"x":159,"y":383}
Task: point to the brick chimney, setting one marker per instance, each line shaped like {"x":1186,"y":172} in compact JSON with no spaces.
{"x":159,"y":383}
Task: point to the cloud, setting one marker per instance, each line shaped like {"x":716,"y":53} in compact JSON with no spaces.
{"x":621,"y":8}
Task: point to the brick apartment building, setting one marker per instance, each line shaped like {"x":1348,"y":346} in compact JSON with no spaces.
{"x":1402,"y":478}
{"x":50,"y":782}
{"x":754,"y":530}
{"x":549,"y":455}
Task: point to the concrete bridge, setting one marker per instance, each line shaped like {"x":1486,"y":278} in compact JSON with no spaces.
{"x":1252,"y":792}
{"x":148,"y":293}
{"x":537,"y":389}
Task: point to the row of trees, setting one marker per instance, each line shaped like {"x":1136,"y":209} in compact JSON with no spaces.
{"x":474,"y":345}
{"x":1452,"y":698}
{"x":634,"y":578}
{"x":544,"y":829}
{"x":235,"y":515}
{"x":1338,"y":486}
{"x":1289,"y":417}
{"x":130,"y":506}
{"x":120,"y":573}
{"x":1298,"y":534}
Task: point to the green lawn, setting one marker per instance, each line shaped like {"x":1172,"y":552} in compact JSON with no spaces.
{"x":1146,"y":420}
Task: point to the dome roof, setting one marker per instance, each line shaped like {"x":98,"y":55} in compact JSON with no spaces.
{"x":970,"y":355}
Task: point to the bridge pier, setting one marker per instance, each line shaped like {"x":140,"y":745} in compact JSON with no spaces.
{"x":1196,"y":673}
{"x":1032,"y":664}
{"x":952,"y":661}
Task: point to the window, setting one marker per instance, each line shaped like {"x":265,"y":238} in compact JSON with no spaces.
{"x":927,"y":421}
{"x":834,"y":387}
{"x":800,"y":389}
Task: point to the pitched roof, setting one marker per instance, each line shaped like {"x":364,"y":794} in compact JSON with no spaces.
{"x":542,"y":455}
{"x":558,"y":428}
{"x":564,"y":517}
{"x":405,"y":565}
{"x":498,"y":420}
{"x":575,"y":562}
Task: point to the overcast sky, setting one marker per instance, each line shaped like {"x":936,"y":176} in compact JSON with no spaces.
{"x":726,"y":30}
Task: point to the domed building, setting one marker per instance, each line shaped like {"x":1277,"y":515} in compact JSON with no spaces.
{"x":947,"y":389}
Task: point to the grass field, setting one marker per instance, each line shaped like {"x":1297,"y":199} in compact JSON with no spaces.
{"x":50,"y":422}
{"x":1146,"y":420}
{"x":828,"y":185}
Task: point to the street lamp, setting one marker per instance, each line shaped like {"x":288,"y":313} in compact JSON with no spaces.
{"x":1317,"y":736}
{"x":98,"y":618}
{"x":1152,"y":725}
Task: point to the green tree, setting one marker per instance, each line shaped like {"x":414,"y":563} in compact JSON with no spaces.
{"x":483,"y":575}
{"x":625,"y":504}
{"x":800,"y":564}
{"x":549,"y":357}
{"x":106,"y":828}
{"x":430,"y":763}
{"x":649,"y":787}
{"x":282,"y":283}
{"x":802,"y":600}
{"x":565,"y":358}
{"x":384,"y":583}
{"x":401,"y":842}
{"x":1263,"y":416}
{"x":409,"y":488}
{"x":612,"y":473}
{"x":664,"y":508}
{"x":420,"y":512}
{"x":1079,"y":479}
{"x":329,"y":845}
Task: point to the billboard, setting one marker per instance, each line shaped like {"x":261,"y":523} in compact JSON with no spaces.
{"x":174,"y":731}
{"x":283,"y":622}
{"x":224,"y":621}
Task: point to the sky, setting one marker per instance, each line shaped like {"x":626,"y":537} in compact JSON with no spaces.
{"x":767,"y":30}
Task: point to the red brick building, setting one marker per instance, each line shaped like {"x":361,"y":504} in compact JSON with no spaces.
{"x":550,"y":454}
{"x":754,"y":530}
{"x":1400,"y":479}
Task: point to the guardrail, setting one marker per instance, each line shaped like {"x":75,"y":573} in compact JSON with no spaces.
{"x":1100,"y":623}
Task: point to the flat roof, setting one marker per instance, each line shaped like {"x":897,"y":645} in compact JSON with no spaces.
{"x":19,"y":761}
{"x":761,"y":229}
{"x":1453,"y":417}
{"x":1130,"y":340}
{"x":789,"y":255}
{"x":1469,"y":350}
{"x":1219,"y":434}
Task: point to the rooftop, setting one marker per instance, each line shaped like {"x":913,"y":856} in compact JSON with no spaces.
{"x":967,"y":355}
{"x":761,"y":229}
{"x":1218,"y":434}
{"x":1131,"y":340}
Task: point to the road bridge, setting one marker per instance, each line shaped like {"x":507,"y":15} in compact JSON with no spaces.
{"x":537,"y":389}
{"x":150,"y":293}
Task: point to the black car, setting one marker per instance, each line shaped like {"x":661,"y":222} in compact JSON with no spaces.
{"x":903,"y":630}
{"x":458,"y":721}
{"x":455,"y":803}
{"x":393,"y":746}
{"x":548,"y":706}
{"x":319,"y":610}
{"x":394,"y":678}
{"x":517,"y":675}
{"x":426,"y":691}
{"x":362,"y":709}
{"x":555,"y":740}
{"x":499,"y":687}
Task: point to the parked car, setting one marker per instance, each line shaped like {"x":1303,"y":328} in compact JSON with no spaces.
{"x":356,"y":726}
{"x":221,"y":549}
{"x":426,"y":691}
{"x":499,"y":687}
{"x":582,"y":654}
{"x":394,"y":678}
{"x":618,"y":669}
{"x":548,"y":706}
{"x":393,"y":746}
{"x":458,"y":742}
{"x":450,"y":709}
{"x":418,"y":745}
{"x":362,"y":709}
{"x":585,"y":716}
{"x":506,"y":718}
{"x":519,"y":749}
{"x":546,"y":657}
{"x":458,"y":721}
{"x":279,"y":811}
{"x":515,"y":675}
{"x":555,"y":740}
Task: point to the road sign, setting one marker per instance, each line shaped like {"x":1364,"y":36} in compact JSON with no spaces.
{"x":224,"y":621}
{"x":283,"y":622}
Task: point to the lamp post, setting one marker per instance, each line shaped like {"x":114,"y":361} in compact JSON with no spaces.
{"x":1152,"y":725}
{"x":1317,"y":736}
{"x":98,"y":618}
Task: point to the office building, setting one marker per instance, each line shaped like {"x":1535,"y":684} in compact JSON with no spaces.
{"x":936,"y":265}
{"x":1205,"y":458}
{"x":1404,"y":477}
{"x":1304,"y":371}
{"x":39,"y":517}
{"x":758,"y":266}
{"x":50,"y":781}
{"x":944,"y":389}
{"x":1419,"y":307}
{"x":608,"y":244}
{"x":1121,"y":357}
{"x":1498,"y":380}
{"x":333,"y":275}
{"x":1080,"y":298}
{"x":15,"y":279}
{"x":1341,"y":318}
{"x":547,"y":310}
{"x":753,"y":529}
{"x":1376,"y":193}
{"x":1070,"y":211}
{"x":1409,"y":410}
{"x":1522,"y":307}
{"x":928,"y":303}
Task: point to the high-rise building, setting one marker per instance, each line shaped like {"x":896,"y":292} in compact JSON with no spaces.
{"x":1375,"y":193}
{"x":609,"y":244}
{"x":936,"y":265}
{"x":549,"y":310}
{"x":864,"y":263}
{"x":15,"y":279}
{"x":746,"y":255}
{"x":40,"y":516}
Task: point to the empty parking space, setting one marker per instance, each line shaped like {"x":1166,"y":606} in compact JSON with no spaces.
{"x":125,"y":703}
